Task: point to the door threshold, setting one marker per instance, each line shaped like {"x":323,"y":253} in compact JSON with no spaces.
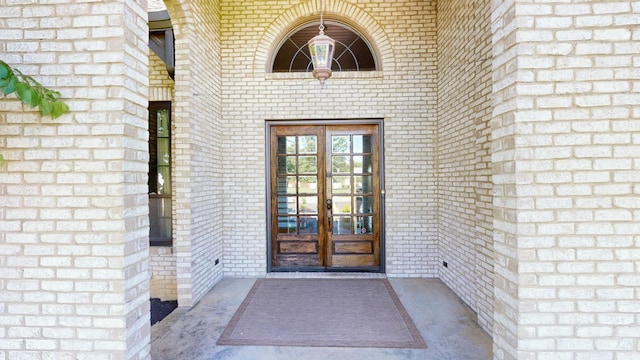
{"x":325,"y":275}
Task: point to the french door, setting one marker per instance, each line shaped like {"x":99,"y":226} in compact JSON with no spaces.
{"x":325,"y":197}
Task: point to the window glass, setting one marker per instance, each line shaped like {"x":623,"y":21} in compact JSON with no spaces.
{"x":352,"y":53}
{"x":160,"y":184}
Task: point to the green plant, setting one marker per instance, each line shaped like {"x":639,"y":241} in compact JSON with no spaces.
{"x":30,"y":92}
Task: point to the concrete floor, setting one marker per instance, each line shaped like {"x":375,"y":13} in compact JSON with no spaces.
{"x":446,"y":323}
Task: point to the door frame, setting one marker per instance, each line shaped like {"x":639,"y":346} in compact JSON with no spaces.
{"x":326,"y":122}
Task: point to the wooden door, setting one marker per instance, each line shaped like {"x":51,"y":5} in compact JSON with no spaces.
{"x":325,"y":197}
{"x":353,"y":189}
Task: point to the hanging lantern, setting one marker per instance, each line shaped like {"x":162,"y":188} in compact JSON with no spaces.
{"x":321,"y":49}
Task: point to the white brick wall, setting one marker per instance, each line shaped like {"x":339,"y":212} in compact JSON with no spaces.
{"x":162,"y":264}
{"x":568,"y":167}
{"x":464,"y":172}
{"x":506,"y":282}
{"x":161,"y":86}
{"x":74,"y":235}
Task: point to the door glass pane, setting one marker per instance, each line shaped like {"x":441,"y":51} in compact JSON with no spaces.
{"x":307,"y":145}
{"x":364,"y":225}
{"x":362,"y":184}
{"x":362,"y":164}
{"x":362,"y":144}
{"x":340,"y":164}
{"x":357,"y":164}
{"x":286,"y":205}
{"x":367,"y":160}
{"x":308,"y":164}
{"x":308,"y":185}
{"x":363,"y":204}
{"x":287,"y":185}
{"x":341,"y":225}
{"x":281,"y":185}
{"x":308,"y":204}
{"x":341,"y":184}
{"x":342,"y":204}
{"x":281,"y":165}
{"x":291,"y":144}
{"x":286,"y":224}
{"x":309,"y":225}
{"x":291,"y":185}
{"x":291,"y":164}
{"x":357,"y":144}
{"x":367,"y":144}
{"x":286,"y":144}
{"x":340,"y":144}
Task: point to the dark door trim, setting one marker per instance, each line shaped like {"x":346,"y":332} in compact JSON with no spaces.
{"x":374,"y":121}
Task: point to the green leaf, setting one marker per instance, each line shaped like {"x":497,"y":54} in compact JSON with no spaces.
{"x":51,"y":95}
{"x":23,"y":91}
{"x":5,"y":70}
{"x":58,"y":108}
{"x":1,"y":160}
{"x":45,"y":107}
{"x":35,"y":98}
{"x":10,"y":85}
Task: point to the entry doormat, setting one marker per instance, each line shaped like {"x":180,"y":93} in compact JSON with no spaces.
{"x":322,"y":312}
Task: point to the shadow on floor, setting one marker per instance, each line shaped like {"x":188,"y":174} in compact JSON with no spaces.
{"x":447,"y":325}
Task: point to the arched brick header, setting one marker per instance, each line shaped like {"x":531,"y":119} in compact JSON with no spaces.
{"x":336,"y":10}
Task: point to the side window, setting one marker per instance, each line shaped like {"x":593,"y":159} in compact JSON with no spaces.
{"x":160,"y":189}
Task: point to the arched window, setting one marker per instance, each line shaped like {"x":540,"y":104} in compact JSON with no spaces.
{"x":352,"y":52}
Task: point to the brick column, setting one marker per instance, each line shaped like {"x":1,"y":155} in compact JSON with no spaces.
{"x":506,"y":281}
{"x":74,"y":224}
{"x":197,"y":142}
{"x":566,"y":139}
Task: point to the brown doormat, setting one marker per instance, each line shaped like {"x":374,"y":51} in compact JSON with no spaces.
{"x":322,"y":312}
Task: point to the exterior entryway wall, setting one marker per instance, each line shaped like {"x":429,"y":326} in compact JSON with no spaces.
{"x":465,"y":209}
{"x":402,"y":92}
